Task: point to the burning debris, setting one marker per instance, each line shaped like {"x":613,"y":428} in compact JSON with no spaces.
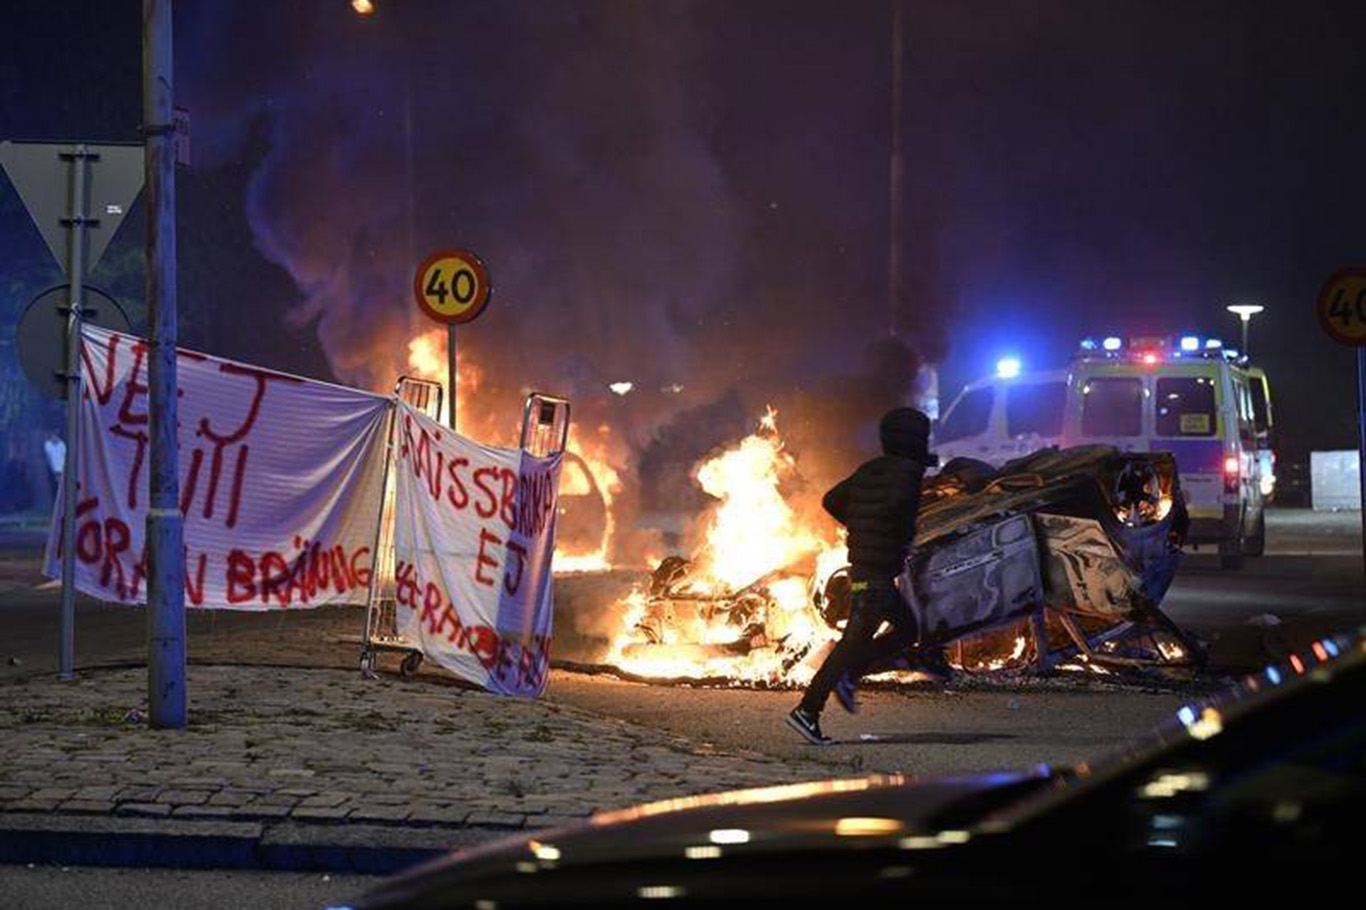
{"x":743,"y":607}
{"x":1056,"y":561}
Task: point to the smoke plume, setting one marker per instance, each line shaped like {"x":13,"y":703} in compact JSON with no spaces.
{"x":653,"y":205}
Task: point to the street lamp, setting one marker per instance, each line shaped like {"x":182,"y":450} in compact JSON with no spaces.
{"x":1245,"y":312}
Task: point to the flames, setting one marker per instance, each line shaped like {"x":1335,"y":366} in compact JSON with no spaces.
{"x":742,"y":609}
{"x":751,"y":531}
{"x":754,"y":603}
{"x":427,"y":360}
{"x":602,"y":477}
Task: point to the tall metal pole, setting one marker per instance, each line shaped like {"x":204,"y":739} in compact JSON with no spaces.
{"x":451,"y":372}
{"x":166,"y":695}
{"x":80,"y":173}
{"x":1361,"y":445}
{"x":894,"y":181}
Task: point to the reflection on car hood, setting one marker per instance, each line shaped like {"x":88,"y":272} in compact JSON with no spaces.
{"x":828,"y":815}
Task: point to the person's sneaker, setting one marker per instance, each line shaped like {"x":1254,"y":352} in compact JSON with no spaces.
{"x":846,"y":692}
{"x":809,"y":726}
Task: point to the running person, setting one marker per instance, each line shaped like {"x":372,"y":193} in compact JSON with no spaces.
{"x":878,"y":505}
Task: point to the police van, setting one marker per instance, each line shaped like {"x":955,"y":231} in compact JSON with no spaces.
{"x":1189,"y":397}
{"x":1264,"y":420}
{"x":1003,"y":417}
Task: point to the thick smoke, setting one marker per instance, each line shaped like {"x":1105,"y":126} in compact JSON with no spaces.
{"x":665,"y":195}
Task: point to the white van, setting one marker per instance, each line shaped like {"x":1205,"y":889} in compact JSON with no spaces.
{"x":1146,"y":397}
{"x":997,"y":419}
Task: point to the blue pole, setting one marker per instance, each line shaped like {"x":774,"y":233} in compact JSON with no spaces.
{"x":166,"y":697}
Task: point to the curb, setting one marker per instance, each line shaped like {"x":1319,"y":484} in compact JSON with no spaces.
{"x":175,"y":844}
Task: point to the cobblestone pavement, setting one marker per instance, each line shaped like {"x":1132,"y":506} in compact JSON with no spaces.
{"x":326,"y":747}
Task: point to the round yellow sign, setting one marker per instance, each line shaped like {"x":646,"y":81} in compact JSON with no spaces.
{"x":452,"y":286}
{"x":1342,"y":306}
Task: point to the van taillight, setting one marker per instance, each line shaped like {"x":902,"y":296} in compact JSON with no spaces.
{"x":1231,"y":472}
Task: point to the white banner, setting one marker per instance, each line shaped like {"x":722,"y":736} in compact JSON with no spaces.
{"x":474,"y":535}
{"x":279,"y":482}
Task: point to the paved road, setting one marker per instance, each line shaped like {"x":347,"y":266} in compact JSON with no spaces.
{"x":1309,"y":583}
{"x":45,"y":887}
{"x":924,"y":731}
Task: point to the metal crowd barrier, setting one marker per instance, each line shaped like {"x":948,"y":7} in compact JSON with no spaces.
{"x":545,"y":431}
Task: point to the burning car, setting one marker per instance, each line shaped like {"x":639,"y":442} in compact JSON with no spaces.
{"x":1059,"y":559}
{"x":582,"y":525}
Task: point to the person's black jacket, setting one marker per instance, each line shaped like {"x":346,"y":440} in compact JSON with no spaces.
{"x":878,"y":504}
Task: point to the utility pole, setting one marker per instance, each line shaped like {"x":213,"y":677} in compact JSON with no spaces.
{"x":166,"y":695}
{"x":894,"y":182}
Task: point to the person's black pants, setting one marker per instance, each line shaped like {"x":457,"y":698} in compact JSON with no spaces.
{"x":857,"y":649}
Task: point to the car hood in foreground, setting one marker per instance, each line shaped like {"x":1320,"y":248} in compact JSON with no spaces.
{"x":706,"y":832}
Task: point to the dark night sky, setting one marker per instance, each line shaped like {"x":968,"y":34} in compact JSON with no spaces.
{"x":697,"y":192}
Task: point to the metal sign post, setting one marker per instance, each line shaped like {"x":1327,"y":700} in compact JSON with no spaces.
{"x":60,"y":185}
{"x":452,"y":287}
{"x":452,"y":373}
{"x":1361,"y":445}
{"x":1341,"y":310}
{"x":76,"y":218}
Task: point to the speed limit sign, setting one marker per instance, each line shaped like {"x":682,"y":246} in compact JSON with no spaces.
{"x":452,"y":286}
{"x":1342,"y":313}
{"x":1342,"y":306}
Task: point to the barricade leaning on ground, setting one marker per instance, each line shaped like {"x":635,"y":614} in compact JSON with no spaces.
{"x":282,"y":485}
{"x":474,"y":535}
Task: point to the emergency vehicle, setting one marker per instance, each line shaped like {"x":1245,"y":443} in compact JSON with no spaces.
{"x":1263,"y":417}
{"x":1188,"y":396}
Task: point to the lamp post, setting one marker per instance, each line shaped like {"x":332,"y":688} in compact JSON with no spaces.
{"x":1245,"y":312}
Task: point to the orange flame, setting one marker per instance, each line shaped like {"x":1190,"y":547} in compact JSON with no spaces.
{"x":427,"y":360}
{"x":752,"y":530}
{"x":594,"y":452}
{"x":753,"y":571}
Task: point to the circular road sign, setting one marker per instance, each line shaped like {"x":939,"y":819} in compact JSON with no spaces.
{"x":452,"y":286}
{"x":1342,"y":306}
{"x":42,"y":333}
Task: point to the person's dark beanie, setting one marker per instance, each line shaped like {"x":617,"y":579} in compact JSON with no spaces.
{"x":905,"y":432}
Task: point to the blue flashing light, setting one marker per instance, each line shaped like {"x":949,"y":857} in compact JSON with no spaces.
{"x":1088,"y":344}
{"x":1190,"y":343}
{"x":1186,"y":715}
{"x":1274,"y":675}
{"x":1331,"y":647}
{"x":1008,"y":367}
{"x":1113,"y":343}
{"x":1213,"y":344}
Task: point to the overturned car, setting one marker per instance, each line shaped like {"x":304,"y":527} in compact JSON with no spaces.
{"x":1059,"y":559}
